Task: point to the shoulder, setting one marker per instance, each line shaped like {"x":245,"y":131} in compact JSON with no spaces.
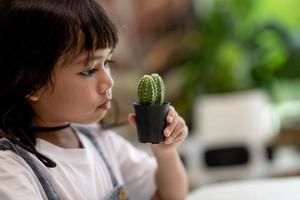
{"x":8,"y":156}
{"x":11,"y":161}
{"x":17,"y":178}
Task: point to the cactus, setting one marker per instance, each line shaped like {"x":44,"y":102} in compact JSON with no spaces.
{"x":160,"y":89}
{"x":151,"y":90}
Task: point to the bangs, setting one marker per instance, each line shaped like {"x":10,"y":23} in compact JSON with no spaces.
{"x":87,"y":28}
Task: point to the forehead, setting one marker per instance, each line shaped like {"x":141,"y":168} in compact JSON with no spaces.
{"x":85,"y":57}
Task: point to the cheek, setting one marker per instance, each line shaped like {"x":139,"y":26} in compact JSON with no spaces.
{"x":76,"y":97}
{"x":73,"y":99}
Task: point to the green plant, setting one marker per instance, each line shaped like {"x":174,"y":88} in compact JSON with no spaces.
{"x":236,"y":46}
{"x":151,"y":90}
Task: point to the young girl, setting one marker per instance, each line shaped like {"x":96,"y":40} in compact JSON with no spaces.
{"x":55,"y":77}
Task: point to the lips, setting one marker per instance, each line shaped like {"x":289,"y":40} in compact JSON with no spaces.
{"x":105,"y":106}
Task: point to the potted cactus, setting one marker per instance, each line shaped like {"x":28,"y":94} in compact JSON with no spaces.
{"x":151,"y":110}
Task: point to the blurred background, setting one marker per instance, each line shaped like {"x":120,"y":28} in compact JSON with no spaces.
{"x":232,"y":71}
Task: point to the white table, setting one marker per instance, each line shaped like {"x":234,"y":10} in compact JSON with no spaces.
{"x":267,"y":189}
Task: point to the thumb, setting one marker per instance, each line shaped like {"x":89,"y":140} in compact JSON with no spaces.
{"x":131,"y":119}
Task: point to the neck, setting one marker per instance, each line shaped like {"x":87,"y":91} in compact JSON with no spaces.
{"x":65,"y":138}
{"x":38,"y":129}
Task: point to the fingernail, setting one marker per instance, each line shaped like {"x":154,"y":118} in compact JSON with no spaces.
{"x":170,"y":119}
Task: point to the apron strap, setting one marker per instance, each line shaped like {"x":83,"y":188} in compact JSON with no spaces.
{"x":99,"y":150}
{"x":118,"y":193}
{"x":49,"y":191}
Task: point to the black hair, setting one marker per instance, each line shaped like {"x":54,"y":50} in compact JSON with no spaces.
{"x":34,"y":36}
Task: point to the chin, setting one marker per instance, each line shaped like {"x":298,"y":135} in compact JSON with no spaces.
{"x":96,"y":118}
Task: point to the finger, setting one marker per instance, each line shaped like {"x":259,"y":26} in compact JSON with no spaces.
{"x":170,"y":128}
{"x":180,"y":137}
{"x":131,"y":119}
{"x":178,"y":130}
{"x":171,"y":114}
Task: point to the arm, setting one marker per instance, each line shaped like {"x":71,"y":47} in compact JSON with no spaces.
{"x":171,"y":178}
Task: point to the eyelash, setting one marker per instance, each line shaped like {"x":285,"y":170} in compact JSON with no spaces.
{"x":91,"y":71}
{"x":107,"y":62}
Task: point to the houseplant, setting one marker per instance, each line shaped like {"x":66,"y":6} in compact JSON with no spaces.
{"x":151,"y":110}
{"x":233,"y":47}
{"x":234,"y":59}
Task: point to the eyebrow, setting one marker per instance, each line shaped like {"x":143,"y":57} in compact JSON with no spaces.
{"x":95,"y":57}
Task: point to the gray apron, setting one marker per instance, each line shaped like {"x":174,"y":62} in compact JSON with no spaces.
{"x":118,"y":192}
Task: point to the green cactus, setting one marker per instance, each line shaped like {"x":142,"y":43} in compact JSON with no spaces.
{"x":151,"y":90}
{"x":160,"y":89}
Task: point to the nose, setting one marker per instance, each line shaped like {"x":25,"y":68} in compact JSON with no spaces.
{"x":105,"y":81}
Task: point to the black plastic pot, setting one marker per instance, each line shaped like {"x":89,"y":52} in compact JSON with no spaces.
{"x":151,"y":122}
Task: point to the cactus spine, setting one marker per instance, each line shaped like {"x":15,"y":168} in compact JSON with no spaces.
{"x":151,"y":90}
{"x":147,"y":90}
{"x":160,"y":89}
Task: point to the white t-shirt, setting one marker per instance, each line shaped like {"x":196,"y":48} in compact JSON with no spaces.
{"x":80,"y":173}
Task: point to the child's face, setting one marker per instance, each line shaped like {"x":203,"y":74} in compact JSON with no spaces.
{"x":81,"y":92}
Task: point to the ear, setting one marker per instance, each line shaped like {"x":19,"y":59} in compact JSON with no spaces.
{"x":34,"y":96}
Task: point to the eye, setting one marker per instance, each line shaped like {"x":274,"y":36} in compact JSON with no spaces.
{"x":90,"y":72}
{"x":107,"y":62}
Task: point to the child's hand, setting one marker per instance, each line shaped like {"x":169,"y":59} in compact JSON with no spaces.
{"x":175,"y":132}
